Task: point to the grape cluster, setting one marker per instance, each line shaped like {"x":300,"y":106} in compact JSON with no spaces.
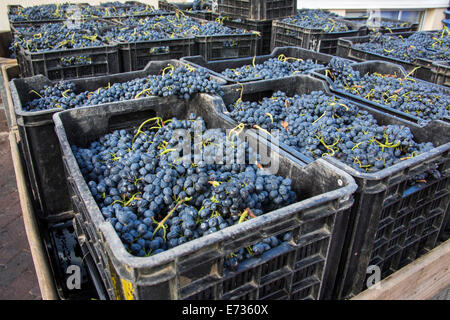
{"x":201,"y":5}
{"x":420,"y":45}
{"x":418,"y":98}
{"x":51,"y":28}
{"x":181,"y":82}
{"x":157,"y":199}
{"x":272,"y":68}
{"x":316,"y":125}
{"x":317,"y":19}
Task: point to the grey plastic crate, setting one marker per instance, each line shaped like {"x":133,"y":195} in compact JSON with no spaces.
{"x":218,"y":66}
{"x":38,"y":140}
{"x":304,"y":268}
{"x":386,"y":212}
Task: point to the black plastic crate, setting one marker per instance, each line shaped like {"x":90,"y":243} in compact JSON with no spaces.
{"x":200,"y":14}
{"x":385,"y":203}
{"x":187,"y":9}
{"x":374,"y":25}
{"x":166,"y":5}
{"x":136,"y":55}
{"x":229,"y":46}
{"x":304,"y":268}
{"x":428,"y":70}
{"x":216,"y":67}
{"x":13,"y":8}
{"x":257,"y":9}
{"x":437,"y":126}
{"x":9,"y":72}
{"x":74,"y":7}
{"x":263,"y":28}
{"x":287,"y":34}
{"x":61,"y":243}
{"x":39,"y":143}
{"x":71,"y":22}
{"x":99,"y":61}
{"x":441,"y":73}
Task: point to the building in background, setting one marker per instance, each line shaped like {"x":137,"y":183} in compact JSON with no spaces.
{"x":427,"y":13}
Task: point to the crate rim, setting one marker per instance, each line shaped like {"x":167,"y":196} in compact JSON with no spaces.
{"x":168,"y":256}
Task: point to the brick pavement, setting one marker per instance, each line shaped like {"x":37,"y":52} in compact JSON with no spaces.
{"x":17,"y":275}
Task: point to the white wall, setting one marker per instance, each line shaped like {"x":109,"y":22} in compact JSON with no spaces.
{"x":4,"y":24}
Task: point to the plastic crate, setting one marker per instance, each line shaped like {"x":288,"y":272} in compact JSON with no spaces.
{"x":100,"y":61}
{"x":388,"y":68}
{"x":386,"y":209}
{"x":229,"y":46}
{"x":136,"y":55}
{"x":64,"y":251}
{"x":186,"y":8}
{"x":39,"y":143}
{"x":346,"y":49}
{"x":69,"y":22}
{"x":441,"y":73}
{"x":11,"y":8}
{"x":264,"y":28}
{"x":257,"y":9}
{"x":216,"y":67}
{"x":172,"y":6}
{"x":9,"y":71}
{"x":200,"y":14}
{"x":376,"y":27}
{"x":287,"y":34}
{"x":304,"y":268}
